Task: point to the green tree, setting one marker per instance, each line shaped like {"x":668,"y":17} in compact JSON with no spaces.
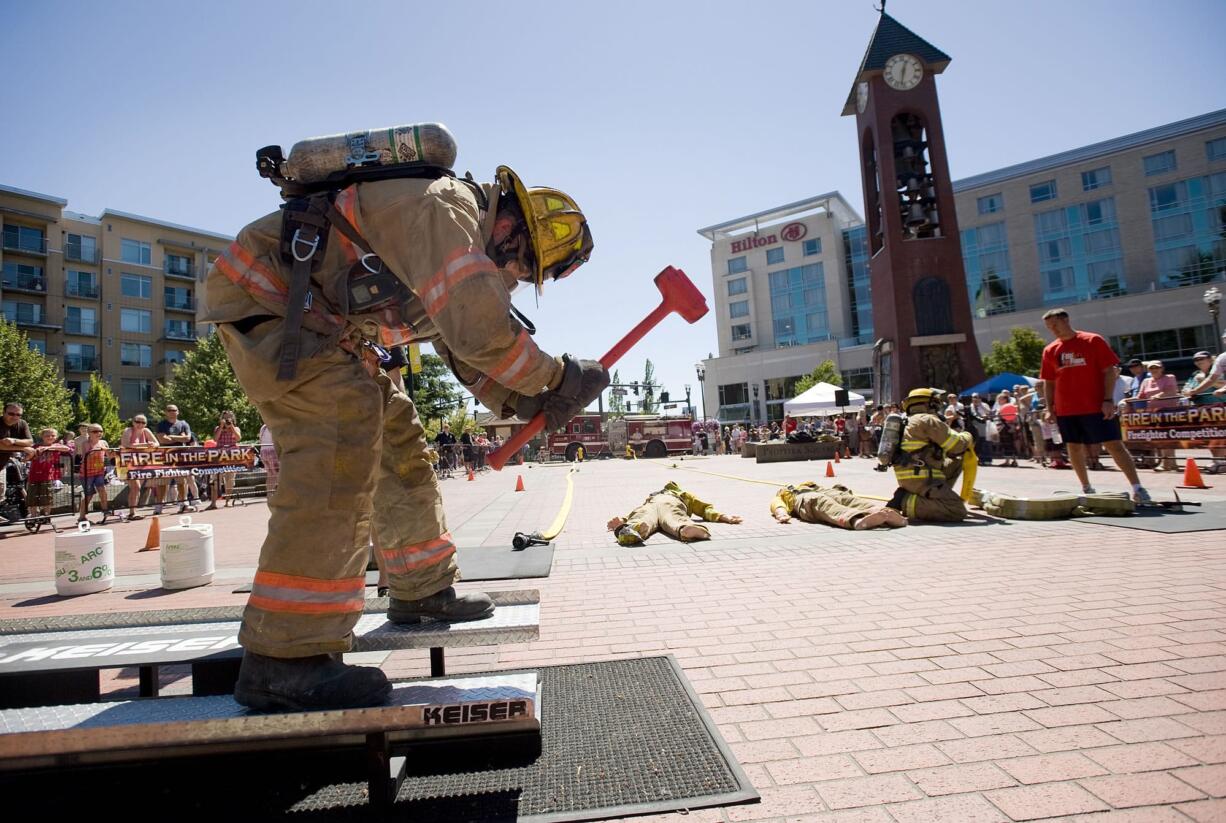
{"x":617,"y":402}
{"x":434,"y":394}
{"x":203,"y":386}
{"x":1021,"y":354}
{"x":649,"y":397}
{"x":102,"y":407}
{"x":33,"y":381}
{"x":826,"y":372}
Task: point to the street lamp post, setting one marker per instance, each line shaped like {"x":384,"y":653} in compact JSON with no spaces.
{"x":1213,"y":299}
{"x":756,"y":418}
{"x":689,"y":407}
{"x":701,"y":370}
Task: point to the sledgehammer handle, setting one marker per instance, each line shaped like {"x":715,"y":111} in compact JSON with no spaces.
{"x":498,"y":458}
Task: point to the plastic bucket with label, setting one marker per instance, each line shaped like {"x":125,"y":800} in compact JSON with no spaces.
{"x":84,"y":560}
{"x":187,"y":555}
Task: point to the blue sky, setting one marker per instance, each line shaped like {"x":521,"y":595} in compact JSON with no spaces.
{"x":658,"y":117}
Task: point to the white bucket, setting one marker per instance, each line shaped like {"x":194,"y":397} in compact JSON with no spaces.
{"x":187,"y":555}
{"x":84,"y":560}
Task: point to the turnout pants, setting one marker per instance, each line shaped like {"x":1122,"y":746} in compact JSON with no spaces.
{"x":353,"y":459}
{"x":662,"y":512}
{"x":834,"y":507}
{"x":935,"y":500}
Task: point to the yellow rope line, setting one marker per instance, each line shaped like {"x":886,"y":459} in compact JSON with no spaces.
{"x":558,"y":522}
{"x":776,"y":484}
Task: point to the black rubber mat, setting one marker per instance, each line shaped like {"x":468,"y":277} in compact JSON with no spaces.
{"x":1206,"y":517}
{"x":479,"y":563}
{"x":618,"y":738}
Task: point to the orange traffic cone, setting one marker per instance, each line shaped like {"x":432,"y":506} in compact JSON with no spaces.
{"x":829,"y":469}
{"x":154,"y":541}
{"x":837,"y":459}
{"x":1191,"y":477}
{"x":471,"y":476}
{"x":519,"y":483}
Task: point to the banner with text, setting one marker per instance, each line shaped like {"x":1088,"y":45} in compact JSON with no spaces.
{"x":181,"y":461}
{"x":1182,"y":427}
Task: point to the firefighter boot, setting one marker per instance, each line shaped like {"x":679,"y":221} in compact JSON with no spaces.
{"x":322,"y":681}
{"x":446,"y":606}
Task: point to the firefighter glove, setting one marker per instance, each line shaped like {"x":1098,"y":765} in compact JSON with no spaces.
{"x":582,"y":382}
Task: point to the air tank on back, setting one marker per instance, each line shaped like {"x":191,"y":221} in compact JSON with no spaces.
{"x":317,"y":158}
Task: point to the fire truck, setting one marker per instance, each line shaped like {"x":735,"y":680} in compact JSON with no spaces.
{"x":648,"y":434}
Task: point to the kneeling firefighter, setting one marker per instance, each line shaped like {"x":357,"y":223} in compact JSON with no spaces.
{"x":927,"y":456}
{"x":387,"y":248}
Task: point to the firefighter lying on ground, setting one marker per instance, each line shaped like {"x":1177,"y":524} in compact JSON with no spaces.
{"x":927,"y":457}
{"x":834,"y":506}
{"x":669,"y":510}
{"x":302,"y":322}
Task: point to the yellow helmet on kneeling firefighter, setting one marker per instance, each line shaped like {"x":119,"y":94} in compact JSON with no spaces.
{"x":558,"y":231}
{"x":929,"y":399}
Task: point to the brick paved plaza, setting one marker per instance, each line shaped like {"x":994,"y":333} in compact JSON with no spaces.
{"x":977,"y":672}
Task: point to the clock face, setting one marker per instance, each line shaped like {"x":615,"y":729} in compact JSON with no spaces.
{"x":861,"y":96}
{"x":903,"y":72}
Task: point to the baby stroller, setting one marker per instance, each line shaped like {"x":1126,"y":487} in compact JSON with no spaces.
{"x":1006,"y":446}
{"x":13,"y":508}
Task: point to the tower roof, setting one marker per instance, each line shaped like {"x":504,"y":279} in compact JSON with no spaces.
{"x":890,"y":38}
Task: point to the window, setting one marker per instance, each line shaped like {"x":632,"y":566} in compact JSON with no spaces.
{"x":1099,"y":211}
{"x":1054,"y":251}
{"x":136,"y":285}
{"x":174,"y":356}
{"x":1173,"y":227}
{"x":136,"y":354}
{"x":135,"y":392}
{"x":744,"y":350}
{"x":738,"y":309}
{"x":992,"y":203}
{"x":1106,"y":279}
{"x":1159,"y":163}
{"x":1170,"y":196}
{"x":39,"y":346}
{"x":82,"y":248}
{"x":737,"y":286}
{"x":736,"y":265}
{"x":730,"y":394}
{"x":1095,"y":178}
{"x":1102,"y":242}
{"x":1040,"y":192}
{"x":25,"y":313}
{"x":78,"y":320}
{"x":24,"y":276}
{"x":78,"y":387}
{"x":135,"y":251}
{"x":855,"y":379}
{"x":741,"y":331}
{"x":177,"y":298}
{"x":178,"y":264}
{"x":80,"y":357}
{"x":785,"y":327}
{"x":180,"y":329}
{"x":24,"y":238}
{"x":774,"y":256}
{"x":1060,"y":281}
{"x":1047,"y":223}
{"x":138,"y":321}
{"x":81,"y":284}
{"x":1215,"y":149}
{"x":813,"y":247}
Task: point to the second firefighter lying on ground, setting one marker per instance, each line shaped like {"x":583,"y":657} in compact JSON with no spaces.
{"x":669,"y":510}
{"x":835,"y":506}
{"x":927,"y":460}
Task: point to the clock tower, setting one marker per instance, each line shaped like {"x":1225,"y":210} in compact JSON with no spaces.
{"x":921,"y":311}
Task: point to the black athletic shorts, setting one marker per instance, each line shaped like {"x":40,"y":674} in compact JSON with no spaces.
{"x":1088,"y":428}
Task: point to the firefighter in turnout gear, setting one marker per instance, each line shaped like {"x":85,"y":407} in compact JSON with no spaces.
{"x":928,"y":460}
{"x":305,"y":300}
{"x":670,"y":510}
{"x":836,"y":506}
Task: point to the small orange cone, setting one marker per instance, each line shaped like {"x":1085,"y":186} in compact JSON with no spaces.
{"x":1191,"y":477}
{"x":829,"y":469}
{"x":471,"y":476}
{"x":154,"y":541}
{"x":519,"y":483}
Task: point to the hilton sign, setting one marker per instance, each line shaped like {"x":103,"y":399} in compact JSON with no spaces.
{"x":791,"y":233}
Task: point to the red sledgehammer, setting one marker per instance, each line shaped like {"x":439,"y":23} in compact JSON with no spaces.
{"x":680,"y":296}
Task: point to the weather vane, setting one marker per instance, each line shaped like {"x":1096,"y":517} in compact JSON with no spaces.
{"x":880,"y":8}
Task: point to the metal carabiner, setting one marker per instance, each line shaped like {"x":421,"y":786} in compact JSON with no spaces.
{"x":293,"y":246}
{"x":366,"y":265}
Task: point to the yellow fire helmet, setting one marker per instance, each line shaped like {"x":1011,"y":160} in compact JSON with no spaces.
{"x":929,"y":399}
{"x":561,"y":239}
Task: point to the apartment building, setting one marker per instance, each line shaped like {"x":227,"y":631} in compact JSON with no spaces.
{"x":113,"y":295}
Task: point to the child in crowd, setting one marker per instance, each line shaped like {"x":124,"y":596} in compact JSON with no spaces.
{"x":93,"y":471}
{"x":45,"y":472}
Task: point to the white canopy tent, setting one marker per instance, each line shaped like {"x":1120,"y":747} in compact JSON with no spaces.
{"x":819,"y":401}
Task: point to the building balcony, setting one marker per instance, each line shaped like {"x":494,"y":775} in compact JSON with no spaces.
{"x":24,"y":245}
{"x":81,"y":329}
{"x":87,"y":291}
{"x":181,"y":304}
{"x":80,"y":363}
{"x":32,"y":321}
{"x":186,"y":331}
{"x":31,"y":284}
{"x":77,"y":255}
{"x":183,"y":272}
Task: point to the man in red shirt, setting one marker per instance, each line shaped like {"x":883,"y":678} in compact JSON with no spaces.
{"x":1079,"y":384}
